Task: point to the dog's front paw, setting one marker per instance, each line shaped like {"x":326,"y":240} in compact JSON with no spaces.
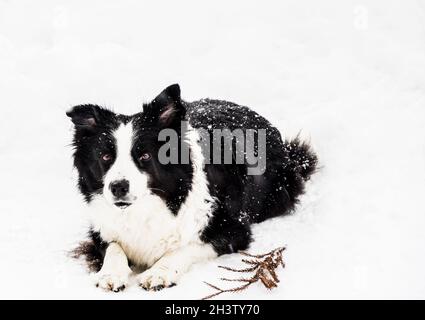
{"x":112,"y":281}
{"x":157,"y":278}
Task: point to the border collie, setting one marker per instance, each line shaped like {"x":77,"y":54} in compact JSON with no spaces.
{"x":164,"y":217}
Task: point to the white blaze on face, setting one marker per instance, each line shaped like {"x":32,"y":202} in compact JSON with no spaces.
{"x":124,"y":167}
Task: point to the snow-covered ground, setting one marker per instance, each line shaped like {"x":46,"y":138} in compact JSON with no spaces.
{"x":349,"y":74}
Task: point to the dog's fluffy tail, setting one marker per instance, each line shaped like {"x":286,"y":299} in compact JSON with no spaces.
{"x":301,"y":158}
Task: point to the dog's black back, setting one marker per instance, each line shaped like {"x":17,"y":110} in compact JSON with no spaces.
{"x":245,"y":199}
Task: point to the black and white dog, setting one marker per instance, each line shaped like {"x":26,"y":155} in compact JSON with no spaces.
{"x":168,"y":216}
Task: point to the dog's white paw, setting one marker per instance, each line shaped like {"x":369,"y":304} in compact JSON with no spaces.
{"x":112,"y":281}
{"x":157,"y":278}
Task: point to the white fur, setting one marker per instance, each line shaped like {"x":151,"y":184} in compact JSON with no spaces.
{"x":148,"y":233}
{"x":168,"y":270}
{"x":115,"y":271}
{"x":125,"y":168}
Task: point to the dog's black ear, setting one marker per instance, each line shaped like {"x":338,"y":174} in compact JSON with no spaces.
{"x":167,"y":106}
{"x":86,"y":116}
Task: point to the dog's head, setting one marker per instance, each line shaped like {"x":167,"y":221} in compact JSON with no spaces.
{"x":117,"y":155}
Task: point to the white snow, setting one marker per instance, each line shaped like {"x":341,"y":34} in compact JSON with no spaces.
{"x":350,"y":75}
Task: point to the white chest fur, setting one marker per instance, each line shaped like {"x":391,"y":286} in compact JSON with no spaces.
{"x":147,"y":233}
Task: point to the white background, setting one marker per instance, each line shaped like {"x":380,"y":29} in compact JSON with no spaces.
{"x":349,"y":74}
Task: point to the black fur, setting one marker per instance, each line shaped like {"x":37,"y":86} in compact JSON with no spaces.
{"x":92,"y":250}
{"x":242,"y":199}
{"x":246,"y":199}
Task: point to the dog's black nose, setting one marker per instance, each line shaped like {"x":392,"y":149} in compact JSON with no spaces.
{"x":119,"y":188}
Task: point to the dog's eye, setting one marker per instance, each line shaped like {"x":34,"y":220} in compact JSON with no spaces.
{"x":106,"y":157}
{"x":145,"y":157}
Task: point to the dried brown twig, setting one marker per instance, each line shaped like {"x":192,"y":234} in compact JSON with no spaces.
{"x":264,"y":266}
